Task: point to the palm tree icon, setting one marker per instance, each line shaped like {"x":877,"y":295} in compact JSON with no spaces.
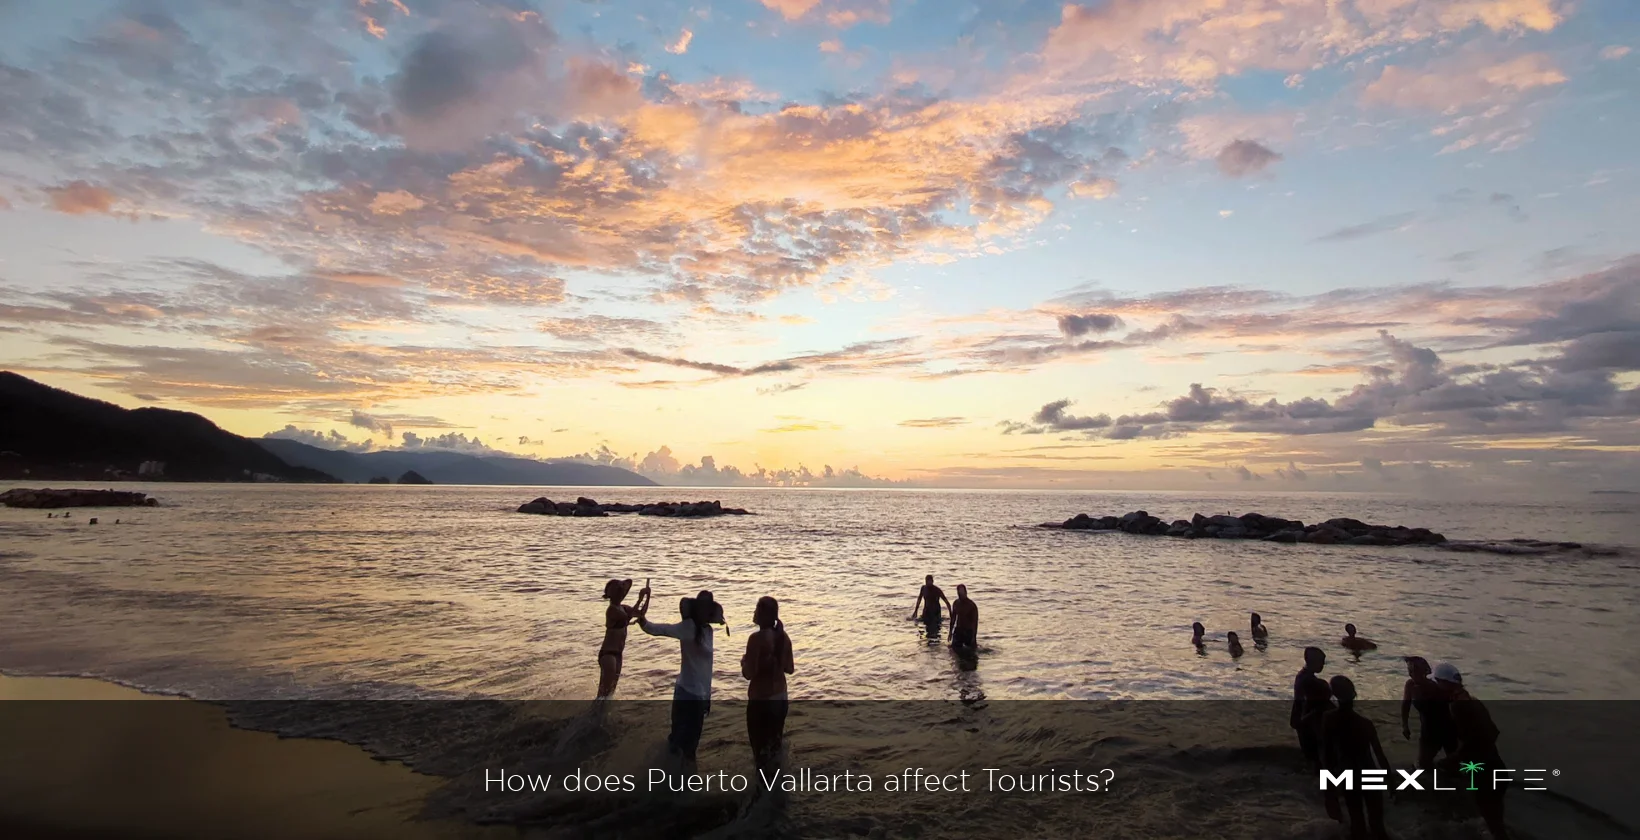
{"x":1470,"y":767}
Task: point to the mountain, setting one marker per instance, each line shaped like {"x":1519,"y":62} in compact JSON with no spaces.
{"x":452,"y":467}
{"x":49,"y":433}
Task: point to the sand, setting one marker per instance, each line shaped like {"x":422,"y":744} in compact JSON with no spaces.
{"x":183,"y":772}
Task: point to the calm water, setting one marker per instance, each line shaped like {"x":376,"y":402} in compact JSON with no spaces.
{"x":239,"y":592}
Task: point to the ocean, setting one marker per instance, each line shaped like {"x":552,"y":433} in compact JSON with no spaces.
{"x":246,"y":593}
{"x":290,"y":591}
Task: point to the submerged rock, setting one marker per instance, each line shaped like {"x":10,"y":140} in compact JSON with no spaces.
{"x":1257,"y":526}
{"x":591,"y":507}
{"x":23,"y":497}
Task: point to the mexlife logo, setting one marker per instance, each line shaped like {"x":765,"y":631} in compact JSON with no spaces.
{"x":1414,"y":779}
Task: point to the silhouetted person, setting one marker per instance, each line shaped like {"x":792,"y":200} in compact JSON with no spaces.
{"x":1477,"y":738}
{"x":1311,"y":697}
{"x":617,"y":616}
{"x":964,"y":621}
{"x":1260,"y":632}
{"x":1198,"y":637}
{"x":1234,"y":642}
{"x":767,"y":661}
{"x":928,"y":599}
{"x":1354,"y":642}
{"x":692,"y":693}
{"x":1435,"y":732}
{"x":1350,"y":742}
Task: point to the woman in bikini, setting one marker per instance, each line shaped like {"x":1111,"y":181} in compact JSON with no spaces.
{"x":616,"y":619}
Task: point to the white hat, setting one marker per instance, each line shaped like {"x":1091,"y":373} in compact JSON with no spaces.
{"x":1447,"y":672}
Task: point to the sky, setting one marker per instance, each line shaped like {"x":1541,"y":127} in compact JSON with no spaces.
{"x":1292,"y":244}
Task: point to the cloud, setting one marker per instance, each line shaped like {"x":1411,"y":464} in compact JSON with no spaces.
{"x":374,"y":424}
{"x":680,"y":45}
{"x":451,"y":442}
{"x":334,"y":440}
{"x":601,"y":328}
{"x":935,"y":423}
{"x":783,"y":366}
{"x":1095,"y":188}
{"x":1614,"y":52}
{"x":1245,"y":157}
{"x":78,"y":198}
{"x":1054,"y":417}
{"x":791,"y":9}
{"x":458,"y":85}
{"x":1411,"y":388}
{"x":1076,"y":326}
{"x":1382,"y":224}
{"x":1460,"y":85}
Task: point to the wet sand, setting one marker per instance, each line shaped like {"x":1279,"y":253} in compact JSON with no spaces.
{"x":193,"y":776}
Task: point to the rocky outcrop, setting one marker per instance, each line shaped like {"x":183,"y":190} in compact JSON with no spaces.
{"x":48,"y":498}
{"x":1254,"y":526}
{"x":584,"y":506}
{"x":413,"y":477}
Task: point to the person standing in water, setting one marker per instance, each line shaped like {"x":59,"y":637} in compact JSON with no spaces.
{"x":1350,"y":742}
{"x":1260,"y":632}
{"x":1354,"y":642}
{"x":1234,"y":641}
{"x":1477,"y":742}
{"x":1434,"y":715}
{"x":964,"y":622}
{"x":616,"y":619}
{"x":1311,"y":697}
{"x":1198,"y":637}
{"x":928,"y":599}
{"x":692,"y":693}
{"x":767,"y":661}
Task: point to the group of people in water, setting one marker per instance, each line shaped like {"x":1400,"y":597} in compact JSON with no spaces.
{"x":1331,"y":733}
{"x":765,"y":664}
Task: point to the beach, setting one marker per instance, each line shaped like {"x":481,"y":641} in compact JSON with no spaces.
{"x":175,"y":768}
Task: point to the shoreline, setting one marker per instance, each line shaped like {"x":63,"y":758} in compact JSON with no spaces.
{"x":195,"y":777}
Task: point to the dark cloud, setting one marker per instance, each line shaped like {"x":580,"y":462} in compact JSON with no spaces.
{"x":373,"y":423}
{"x":458,"y":85}
{"x":710,"y":367}
{"x":1245,"y":157}
{"x":1076,"y":326}
{"x":1054,"y":417}
{"x":1408,"y":386}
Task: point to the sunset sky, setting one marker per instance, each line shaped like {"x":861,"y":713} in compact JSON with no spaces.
{"x":1361,"y":243}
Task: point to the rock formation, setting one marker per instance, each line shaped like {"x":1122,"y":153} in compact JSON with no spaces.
{"x":1255,"y":526}
{"x":584,"y":506}
{"x":47,"y":498}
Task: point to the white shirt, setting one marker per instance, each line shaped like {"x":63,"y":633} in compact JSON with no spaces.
{"x":695,"y":676}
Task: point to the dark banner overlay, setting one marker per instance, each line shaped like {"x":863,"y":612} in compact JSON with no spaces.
{"x":1141,"y":769}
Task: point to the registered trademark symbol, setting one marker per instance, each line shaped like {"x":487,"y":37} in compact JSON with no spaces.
{"x":1555,"y":772}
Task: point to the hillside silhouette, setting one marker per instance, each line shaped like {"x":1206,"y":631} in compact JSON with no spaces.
{"x":47,"y":433}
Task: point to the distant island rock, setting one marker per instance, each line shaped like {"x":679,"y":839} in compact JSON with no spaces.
{"x":23,"y":497}
{"x":1254,"y":526}
{"x":50,"y":434}
{"x":584,"y":506}
{"x":413,"y":477}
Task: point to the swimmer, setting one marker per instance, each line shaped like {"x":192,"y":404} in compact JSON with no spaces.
{"x":1260,"y":632}
{"x":964,"y":621}
{"x":1354,"y":642}
{"x":1200,"y":634}
{"x":1235,"y":644}
{"x":928,"y":600}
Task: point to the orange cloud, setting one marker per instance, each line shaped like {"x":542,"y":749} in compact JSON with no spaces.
{"x":79,"y":198}
{"x":791,"y":9}
{"x":1450,"y":88}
